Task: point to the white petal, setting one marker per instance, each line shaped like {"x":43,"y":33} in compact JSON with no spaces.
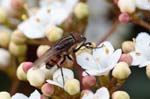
{"x":86,"y":61}
{"x":54,"y":83}
{"x":137,"y":58}
{"x":35,"y":95}
{"x":19,"y":96}
{"x":113,"y":59}
{"x":88,"y":95}
{"x":102,"y":93}
{"x":67,"y":75}
{"x":102,"y":54}
{"x":144,"y":64}
{"x":143,"y":4}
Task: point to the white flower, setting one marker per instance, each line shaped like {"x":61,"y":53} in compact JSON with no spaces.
{"x":101,"y":61}
{"x":141,"y":55}
{"x":58,"y":78}
{"x":101,"y":93}
{"x":47,"y":16}
{"x":34,"y":95}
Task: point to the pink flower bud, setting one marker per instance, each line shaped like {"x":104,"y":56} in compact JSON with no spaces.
{"x":43,"y":97}
{"x":124,"y":17}
{"x":47,"y":89}
{"x":126,"y":58}
{"x":88,"y":81}
{"x":116,"y":1}
{"x":26,"y":66}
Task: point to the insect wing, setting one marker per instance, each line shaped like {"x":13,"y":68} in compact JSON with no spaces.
{"x":44,"y":58}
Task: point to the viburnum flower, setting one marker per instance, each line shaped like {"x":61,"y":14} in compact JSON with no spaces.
{"x":34,"y":95}
{"x":48,"y":16}
{"x":58,"y":78}
{"x":101,"y":61}
{"x":101,"y":93}
{"x":141,"y":54}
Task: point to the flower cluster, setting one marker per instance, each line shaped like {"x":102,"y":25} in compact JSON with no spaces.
{"x":37,"y":46}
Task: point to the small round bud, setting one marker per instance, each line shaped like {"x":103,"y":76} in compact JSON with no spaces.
{"x":72,"y":86}
{"x":81,"y":10}
{"x":36,"y":77}
{"x":42,"y":49}
{"x":124,"y":17}
{"x":5,"y":39}
{"x":3,"y":15}
{"x":17,"y":50}
{"x":54,"y":34}
{"x":5,"y":95}
{"x":126,"y":58}
{"x":47,"y":89}
{"x":116,"y":1}
{"x":21,"y":74}
{"x":128,"y":6}
{"x":17,"y":4}
{"x":5,"y":58}
{"x":121,"y":71}
{"x":120,"y":95}
{"x":148,"y":71}
{"x":88,"y":81}
{"x":127,"y":46}
{"x":26,"y":66}
{"x":18,"y":37}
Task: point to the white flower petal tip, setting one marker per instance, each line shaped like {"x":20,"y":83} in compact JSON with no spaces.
{"x":19,"y":96}
{"x":101,"y":93}
{"x":54,"y":83}
{"x":35,"y":95}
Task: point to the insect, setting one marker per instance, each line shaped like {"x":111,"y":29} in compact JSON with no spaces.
{"x":61,"y":50}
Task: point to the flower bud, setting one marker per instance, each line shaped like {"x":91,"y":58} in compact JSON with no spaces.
{"x":120,"y":95}
{"x":47,"y":89}
{"x":3,"y":15}
{"x":88,"y":81}
{"x":42,"y":49}
{"x":121,"y":70}
{"x":127,"y":46}
{"x":54,"y":34}
{"x":126,"y":58}
{"x":17,"y":50}
{"x":128,"y":6}
{"x":5,"y":58}
{"x":18,"y":37}
{"x":26,"y":66}
{"x":81,"y":10}
{"x":124,"y":17}
{"x":17,"y":4}
{"x":148,"y":71}
{"x":21,"y":74}
{"x":36,"y":77}
{"x":5,"y":95}
{"x":72,"y":86}
{"x":5,"y":39}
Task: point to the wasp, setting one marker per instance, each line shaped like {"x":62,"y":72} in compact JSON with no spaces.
{"x":61,"y":50}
